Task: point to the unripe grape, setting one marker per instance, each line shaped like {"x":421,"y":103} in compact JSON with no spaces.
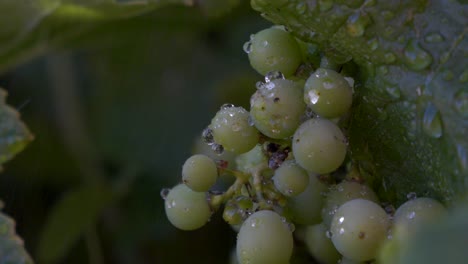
{"x":277,"y":107}
{"x":327,"y":93}
{"x":305,"y":207}
{"x":319,"y":146}
{"x":273,"y":49}
{"x":343,"y":192}
{"x":231,"y":129}
{"x":415,"y":213}
{"x":186,"y":209}
{"x":358,"y":229}
{"x":320,"y":246}
{"x":264,"y":237}
{"x":199,"y":173}
{"x":290,"y":179}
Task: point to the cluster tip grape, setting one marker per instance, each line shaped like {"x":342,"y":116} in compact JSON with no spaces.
{"x":288,"y":169}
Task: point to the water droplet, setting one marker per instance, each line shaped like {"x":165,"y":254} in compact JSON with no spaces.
{"x":217,"y":148}
{"x":325,"y":5}
{"x":356,"y":24}
{"x":389,"y":209}
{"x":313,"y":96}
{"x":269,"y":86}
{"x":164,"y":192}
{"x":432,"y":122}
{"x":247,"y":47}
{"x":260,"y":85}
{"x":389,"y":57}
{"x":207,"y":136}
{"x":411,"y":215}
{"x":226,"y":106}
{"x":250,"y":121}
{"x":273,"y":75}
{"x":416,"y":58}
{"x":411,"y":196}
{"x":328,"y":234}
{"x":433,"y":37}
{"x":464,"y":76}
{"x":373,"y":44}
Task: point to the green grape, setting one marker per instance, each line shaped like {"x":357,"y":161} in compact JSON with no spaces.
{"x":250,"y":160}
{"x":264,"y":237}
{"x":199,"y":173}
{"x":415,"y":213}
{"x":305,"y":207}
{"x":328,"y":93}
{"x":230,"y":128}
{"x":186,"y":209}
{"x":320,"y":245}
{"x":358,"y":229}
{"x":273,"y":49}
{"x":290,"y":179}
{"x":319,"y":146}
{"x":343,"y":192}
{"x":277,"y":107}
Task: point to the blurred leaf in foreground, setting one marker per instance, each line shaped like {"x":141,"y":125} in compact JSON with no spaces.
{"x":11,"y":246}
{"x":70,"y":219}
{"x":31,"y":27}
{"x":14,"y":135}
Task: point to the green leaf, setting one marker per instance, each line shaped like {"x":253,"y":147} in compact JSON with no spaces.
{"x":410,"y":115}
{"x":31,"y":27}
{"x":14,"y":135}
{"x":11,"y":246}
{"x":69,"y":219}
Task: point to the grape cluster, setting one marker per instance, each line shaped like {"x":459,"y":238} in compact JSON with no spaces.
{"x":289,"y":167}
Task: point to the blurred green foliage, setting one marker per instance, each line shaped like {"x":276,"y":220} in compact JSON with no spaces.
{"x":115,"y":94}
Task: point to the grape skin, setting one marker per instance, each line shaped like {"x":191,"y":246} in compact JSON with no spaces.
{"x":277,"y":108}
{"x":343,"y":192}
{"x":305,"y":207}
{"x":290,"y":179}
{"x":413,"y":214}
{"x":232,"y":130}
{"x":358,"y":229}
{"x":319,"y":146}
{"x":327,"y":93}
{"x":273,"y":49}
{"x":320,"y":246}
{"x":264,"y":238}
{"x":199,"y":173}
{"x":186,"y":209}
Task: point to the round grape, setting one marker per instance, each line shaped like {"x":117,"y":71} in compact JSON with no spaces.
{"x":186,"y":209}
{"x":319,"y":146}
{"x":320,"y":245}
{"x":327,"y":93}
{"x":277,"y":107}
{"x":231,"y":129}
{"x":290,"y":179}
{"x":264,"y":237}
{"x":248,"y":161}
{"x":273,"y":49}
{"x":343,"y":192}
{"x":199,"y":173}
{"x":358,"y":229}
{"x":415,"y":213}
{"x":305,"y":207}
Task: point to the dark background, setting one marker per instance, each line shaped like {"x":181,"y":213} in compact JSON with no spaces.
{"x":124,"y":107}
